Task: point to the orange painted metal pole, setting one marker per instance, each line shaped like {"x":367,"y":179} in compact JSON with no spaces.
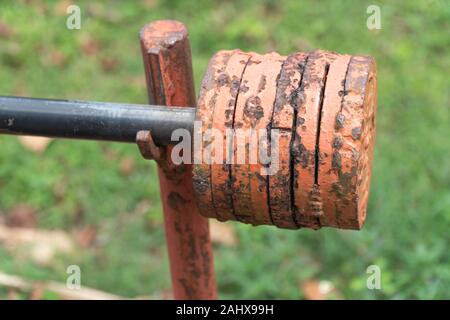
{"x":168,"y":68}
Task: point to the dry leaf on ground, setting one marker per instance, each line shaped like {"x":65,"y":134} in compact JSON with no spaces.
{"x":63,"y":292}
{"x":317,"y":290}
{"x":5,"y":30}
{"x":127,"y":166}
{"x":35,"y":144}
{"x":22,"y":216}
{"x":61,"y":7}
{"x":85,"y":236}
{"x":223,"y":233}
{"x":41,"y":245}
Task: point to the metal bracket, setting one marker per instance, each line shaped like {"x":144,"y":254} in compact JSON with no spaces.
{"x":150,"y":151}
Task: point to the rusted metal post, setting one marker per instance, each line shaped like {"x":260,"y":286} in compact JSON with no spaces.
{"x":168,"y":68}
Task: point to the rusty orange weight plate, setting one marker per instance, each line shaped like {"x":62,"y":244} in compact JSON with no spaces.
{"x":254,"y":111}
{"x":307,"y":203}
{"x":331,"y":141}
{"x":262,"y":114}
{"x":356,"y":124}
{"x":227,"y":92}
{"x":201,"y":173}
{"x":280,"y":184}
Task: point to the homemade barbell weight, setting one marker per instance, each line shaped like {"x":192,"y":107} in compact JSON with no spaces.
{"x":322,"y":103}
{"x":324,"y":106}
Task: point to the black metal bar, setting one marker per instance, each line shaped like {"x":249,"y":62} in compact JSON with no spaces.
{"x":91,"y":120}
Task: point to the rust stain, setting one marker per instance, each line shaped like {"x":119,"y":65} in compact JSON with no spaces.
{"x":176,"y":201}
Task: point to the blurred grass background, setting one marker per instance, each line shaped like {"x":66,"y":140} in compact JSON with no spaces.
{"x":109,"y":189}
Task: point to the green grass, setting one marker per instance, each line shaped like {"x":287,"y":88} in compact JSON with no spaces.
{"x":407,"y":229}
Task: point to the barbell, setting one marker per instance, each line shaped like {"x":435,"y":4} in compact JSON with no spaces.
{"x":315,"y":111}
